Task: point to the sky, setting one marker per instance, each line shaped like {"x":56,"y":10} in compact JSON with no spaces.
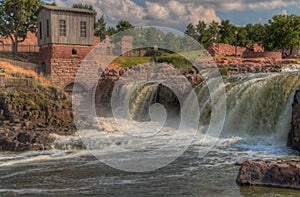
{"x":177,"y":14}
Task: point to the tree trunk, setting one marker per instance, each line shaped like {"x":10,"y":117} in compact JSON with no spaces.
{"x":16,"y":46}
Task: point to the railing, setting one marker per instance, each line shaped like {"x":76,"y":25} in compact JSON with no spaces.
{"x":25,"y":65}
{"x":21,"y":48}
{"x":18,"y":82}
{"x":15,"y":82}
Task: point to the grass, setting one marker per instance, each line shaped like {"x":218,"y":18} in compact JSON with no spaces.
{"x":15,"y":71}
{"x":177,"y":60}
{"x":127,"y":61}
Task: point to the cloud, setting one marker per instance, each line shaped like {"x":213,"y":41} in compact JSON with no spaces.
{"x":171,"y":13}
{"x":156,"y":11}
{"x":177,"y":8}
{"x":175,"y":13}
{"x":239,"y":5}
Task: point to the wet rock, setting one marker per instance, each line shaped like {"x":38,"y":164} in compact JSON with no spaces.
{"x":273,"y":174}
{"x":294,"y":134}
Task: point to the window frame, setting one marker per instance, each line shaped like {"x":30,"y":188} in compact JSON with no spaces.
{"x":48,"y":29}
{"x":62,"y":27}
{"x":83,"y":29}
{"x":41,"y":30}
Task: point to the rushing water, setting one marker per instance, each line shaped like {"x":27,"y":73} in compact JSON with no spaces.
{"x":256,"y":126}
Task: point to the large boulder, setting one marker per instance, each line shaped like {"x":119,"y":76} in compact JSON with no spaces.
{"x":294,"y":135}
{"x":272,"y":173}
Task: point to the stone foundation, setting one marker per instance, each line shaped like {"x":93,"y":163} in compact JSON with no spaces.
{"x":62,"y":62}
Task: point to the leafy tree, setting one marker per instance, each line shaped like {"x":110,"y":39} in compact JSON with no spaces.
{"x":201,"y":32}
{"x":191,"y":30}
{"x":255,"y":33}
{"x":283,"y":32}
{"x":87,"y":7}
{"x":124,"y":25}
{"x":111,"y":31}
{"x":242,"y":36}
{"x":100,"y":30}
{"x":213,"y":35}
{"x":227,"y":31}
{"x":50,"y":3}
{"x":16,"y":19}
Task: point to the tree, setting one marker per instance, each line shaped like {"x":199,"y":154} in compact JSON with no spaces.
{"x":16,"y":19}
{"x":256,"y":33}
{"x":100,"y":30}
{"x":191,"y":30}
{"x":123,"y":25}
{"x":227,"y":32}
{"x":50,"y":3}
{"x":111,"y":31}
{"x":283,"y":33}
{"x":86,"y":7}
{"x":212,"y":33}
{"x":201,"y":36}
{"x":242,"y":36}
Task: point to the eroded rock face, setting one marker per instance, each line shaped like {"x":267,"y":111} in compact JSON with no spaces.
{"x":221,"y":49}
{"x":26,"y":140}
{"x":294,"y":135}
{"x":27,"y":119}
{"x":273,"y":174}
{"x":248,"y":65}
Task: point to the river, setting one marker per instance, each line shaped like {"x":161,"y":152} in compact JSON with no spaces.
{"x":254,"y":129}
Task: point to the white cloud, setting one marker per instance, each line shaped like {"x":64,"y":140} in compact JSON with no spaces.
{"x":156,"y":11}
{"x":177,"y":8}
{"x":239,"y":5}
{"x":175,"y":13}
{"x":200,"y":13}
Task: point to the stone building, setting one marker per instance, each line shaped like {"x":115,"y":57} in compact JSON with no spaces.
{"x":65,"y":37}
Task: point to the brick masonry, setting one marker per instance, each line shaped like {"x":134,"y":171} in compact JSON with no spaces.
{"x":62,"y":62}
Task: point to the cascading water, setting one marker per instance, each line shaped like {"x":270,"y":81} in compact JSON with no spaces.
{"x":257,"y":107}
{"x":141,"y":100}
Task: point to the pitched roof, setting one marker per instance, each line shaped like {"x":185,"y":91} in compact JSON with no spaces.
{"x":65,"y":9}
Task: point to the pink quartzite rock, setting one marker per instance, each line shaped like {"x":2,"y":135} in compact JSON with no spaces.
{"x":273,"y":174}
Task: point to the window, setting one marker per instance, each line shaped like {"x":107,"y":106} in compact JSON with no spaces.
{"x":62,"y":28}
{"x":41,"y":33}
{"x":82,"y":29}
{"x":74,"y":51}
{"x":48,"y":30}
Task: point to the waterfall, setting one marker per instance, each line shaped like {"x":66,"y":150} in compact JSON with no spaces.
{"x":259,"y":105}
{"x":141,"y":100}
{"x":134,"y":100}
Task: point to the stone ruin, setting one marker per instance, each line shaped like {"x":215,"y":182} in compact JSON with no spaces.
{"x":250,"y":51}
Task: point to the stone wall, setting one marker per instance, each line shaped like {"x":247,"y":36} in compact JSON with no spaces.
{"x":274,"y":55}
{"x":221,"y":49}
{"x":62,"y":62}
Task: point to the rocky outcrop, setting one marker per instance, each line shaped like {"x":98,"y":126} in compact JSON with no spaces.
{"x":248,"y":65}
{"x":142,"y":72}
{"x":273,"y":174}
{"x":221,"y":49}
{"x":294,"y":135}
{"x":26,"y":119}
